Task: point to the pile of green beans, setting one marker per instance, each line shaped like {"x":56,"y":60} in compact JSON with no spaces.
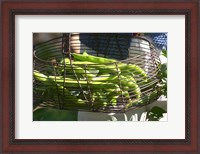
{"x":97,"y":82}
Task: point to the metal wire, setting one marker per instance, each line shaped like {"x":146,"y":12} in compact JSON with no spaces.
{"x":123,"y":47}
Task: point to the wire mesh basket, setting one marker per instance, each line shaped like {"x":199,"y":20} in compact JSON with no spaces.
{"x":102,"y":72}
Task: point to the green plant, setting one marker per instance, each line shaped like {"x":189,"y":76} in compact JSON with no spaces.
{"x":155,"y":114}
{"x":51,"y":114}
{"x":163,"y":75}
{"x":134,"y":117}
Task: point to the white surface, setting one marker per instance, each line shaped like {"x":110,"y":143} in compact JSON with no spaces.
{"x":175,"y":126}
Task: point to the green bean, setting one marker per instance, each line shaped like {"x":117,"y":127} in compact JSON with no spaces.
{"x":112,"y":98}
{"x":125,"y":88}
{"x":127,"y":82}
{"x":39,"y":76}
{"x":113,"y":101}
{"x":99,"y":99}
{"x":109,"y":68}
{"x":60,"y":90}
{"x":79,"y":71}
{"x":70,"y":82}
{"x":90,"y":58}
{"x":87,"y":67}
{"x":74,"y":83}
{"x":135,"y":69}
{"x":104,"y":78}
{"x":68,"y":100}
{"x":126,"y":96}
{"x":106,"y":68}
{"x":131,"y":84}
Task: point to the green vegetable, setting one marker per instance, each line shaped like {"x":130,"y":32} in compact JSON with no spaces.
{"x":135,"y":69}
{"x":38,"y":76}
{"x":102,"y":65}
{"x":99,"y":99}
{"x":97,"y":85}
{"x":74,"y":83}
{"x":90,"y":58}
{"x":104,"y":78}
{"x":91,"y":66}
{"x":126,"y":97}
{"x":79,"y":71}
{"x":128,"y":82}
{"x":93,"y":82}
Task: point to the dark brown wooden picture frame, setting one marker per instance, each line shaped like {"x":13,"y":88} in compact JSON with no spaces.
{"x":118,"y":7}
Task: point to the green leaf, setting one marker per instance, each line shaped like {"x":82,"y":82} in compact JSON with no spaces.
{"x":164,"y":53}
{"x":155,"y":113}
{"x":51,"y":114}
{"x":164,"y":68}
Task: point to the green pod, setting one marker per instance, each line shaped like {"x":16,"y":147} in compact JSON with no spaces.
{"x":125,"y":88}
{"x":90,"y":58}
{"x":113,"y":101}
{"x":100,"y":103}
{"x":128,"y":82}
{"x":103,"y":68}
{"x":131,"y":84}
{"x":39,"y":76}
{"x":135,"y":69}
{"x":74,"y":83}
{"x":71,"y":69}
{"x":105,"y":78}
{"x":51,"y":81}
